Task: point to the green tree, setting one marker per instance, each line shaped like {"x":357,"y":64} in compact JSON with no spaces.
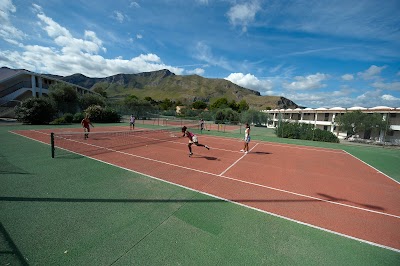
{"x":358,"y":122}
{"x":100,"y":88}
{"x":220,"y":103}
{"x":65,"y":97}
{"x":166,"y":104}
{"x":100,"y":114}
{"x":243,"y":106}
{"x":140,"y":108}
{"x":89,"y":99}
{"x":35,"y":111}
{"x":253,"y":116}
{"x":199,"y":105}
{"x":150,"y":100}
{"x":226,"y":115}
{"x":233,"y":105}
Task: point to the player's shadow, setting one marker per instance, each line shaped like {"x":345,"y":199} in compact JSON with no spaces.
{"x":210,"y":158}
{"x":260,"y":152}
{"x":334,"y":199}
{"x":205,"y":157}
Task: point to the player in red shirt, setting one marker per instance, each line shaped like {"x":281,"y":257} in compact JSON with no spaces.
{"x":192,"y":139}
{"x":86,"y":126}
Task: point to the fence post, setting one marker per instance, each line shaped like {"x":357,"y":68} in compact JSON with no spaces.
{"x":52,"y":144}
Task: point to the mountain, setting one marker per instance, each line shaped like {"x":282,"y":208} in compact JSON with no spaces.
{"x":187,"y":89}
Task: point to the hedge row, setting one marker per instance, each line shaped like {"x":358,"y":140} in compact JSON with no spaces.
{"x":305,"y":132}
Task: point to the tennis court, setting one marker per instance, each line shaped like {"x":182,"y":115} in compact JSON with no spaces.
{"x":325,"y":189}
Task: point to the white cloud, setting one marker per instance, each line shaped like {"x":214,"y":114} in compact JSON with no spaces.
{"x":139,"y":36}
{"x":348,"y":77}
{"x":243,"y":14}
{"x":322,"y":99}
{"x":36,"y":8}
{"x":7,"y":31}
{"x":306,"y":83}
{"x":251,"y":82}
{"x":134,"y":4}
{"x":372,"y":72}
{"x":394,"y":86}
{"x":117,"y":15}
{"x":197,"y":71}
{"x":376,"y":98}
{"x":390,"y":98}
{"x":77,"y":55}
{"x":203,"y":52}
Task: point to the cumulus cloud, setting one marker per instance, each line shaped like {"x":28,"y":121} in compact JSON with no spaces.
{"x":338,"y":98}
{"x":7,"y":31}
{"x":251,"y":82}
{"x":309,"y":82}
{"x":77,"y":55}
{"x":348,"y":77}
{"x":197,"y":71}
{"x":376,"y":98}
{"x":393,"y":86}
{"x":243,"y":14}
{"x":390,"y":98}
{"x":372,"y":72}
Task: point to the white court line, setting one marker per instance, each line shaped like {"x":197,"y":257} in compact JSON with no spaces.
{"x":221,"y":174}
{"x":292,"y":146}
{"x":234,"y":179}
{"x":372,"y":167}
{"x":237,"y":203}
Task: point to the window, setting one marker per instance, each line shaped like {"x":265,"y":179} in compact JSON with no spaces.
{"x":392,"y":115}
{"x":325,"y":128}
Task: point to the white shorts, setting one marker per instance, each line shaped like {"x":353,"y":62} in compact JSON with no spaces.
{"x":194,"y":139}
{"x":247,"y":139}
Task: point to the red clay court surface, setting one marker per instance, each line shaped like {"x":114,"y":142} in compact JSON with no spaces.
{"x":323,"y":188}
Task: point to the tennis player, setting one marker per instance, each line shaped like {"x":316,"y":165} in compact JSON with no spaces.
{"x":86,"y":126}
{"x":201,"y":125}
{"x":246,"y":139}
{"x":132,"y":122}
{"x":192,"y":139}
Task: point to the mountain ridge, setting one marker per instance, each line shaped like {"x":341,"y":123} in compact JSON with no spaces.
{"x":163,"y":84}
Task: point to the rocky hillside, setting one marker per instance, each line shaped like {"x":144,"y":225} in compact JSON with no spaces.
{"x":165,"y":84}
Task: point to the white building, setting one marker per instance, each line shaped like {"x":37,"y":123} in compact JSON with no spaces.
{"x":19,"y":84}
{"x":324,"y":119}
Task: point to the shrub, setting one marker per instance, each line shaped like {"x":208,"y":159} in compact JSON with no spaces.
{"x":58,"y":121}
{"x":305,"y":132}
{"x":68,"y":117}
{"x":35,"y":111}
{"x":102,"y":115}
{"x":110,"y":116}
{"x":78,"y":117}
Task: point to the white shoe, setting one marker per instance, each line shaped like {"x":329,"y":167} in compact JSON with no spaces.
{"x":242,"y":150}
{"x":246,"y":152}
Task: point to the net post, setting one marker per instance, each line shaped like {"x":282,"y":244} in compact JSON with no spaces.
{"x":52,"y":144}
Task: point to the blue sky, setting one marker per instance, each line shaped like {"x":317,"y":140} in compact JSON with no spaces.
{"x":317,"y":53}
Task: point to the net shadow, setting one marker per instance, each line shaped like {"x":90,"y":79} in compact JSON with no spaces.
{"x":334,"y":199}
{"x":9,"y":252}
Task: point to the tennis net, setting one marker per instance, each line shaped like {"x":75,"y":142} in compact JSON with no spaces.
{"x":92,"y":143}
